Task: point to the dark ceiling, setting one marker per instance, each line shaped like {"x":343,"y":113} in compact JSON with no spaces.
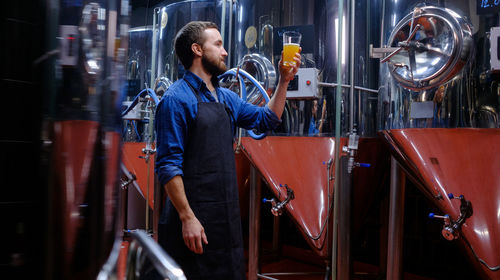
{"x":144,"y":3}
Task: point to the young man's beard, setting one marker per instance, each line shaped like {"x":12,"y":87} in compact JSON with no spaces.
{"x":212,"y":66}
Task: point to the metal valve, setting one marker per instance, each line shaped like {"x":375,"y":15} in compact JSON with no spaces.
{"x":446,"y":218}
{"x":451,"y":228}
{"x":277,"y":208}
{"x":148,"y":152}
{"x":451,"y":196}
{"x":273,"y":205}
{"x":124,"y":182}
{"x":351,"y":149}
{"x":450,"y":232}
{"x":359,"y":164}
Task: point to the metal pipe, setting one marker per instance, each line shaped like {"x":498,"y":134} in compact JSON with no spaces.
{"x":333,"y":85}
{"x":351,"y":95}
{"x":223,"y":21}
{"x":107,"y":270}
{"x":266,"y":277}
{"x":162,"y":262}
{"x":254,"y":225}
{"x":156,"y":12}
{"x":337,"y":139}
{"x":156,"y":208}
{"x":276,"y":235}
{"x":148,"y":151}
{"x":229,"y":52}
{"x":344,"y":236}
{"x":382,"y":21}
{"x":396,"y":219}
{"x":290,"y":273}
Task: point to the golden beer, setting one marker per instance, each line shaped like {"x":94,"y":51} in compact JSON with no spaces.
{"x":289,"y":51}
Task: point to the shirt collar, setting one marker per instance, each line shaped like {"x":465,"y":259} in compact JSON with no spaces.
{"x":198,"y":83}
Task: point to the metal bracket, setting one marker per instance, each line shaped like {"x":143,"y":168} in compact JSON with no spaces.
{"x":381,"y":52}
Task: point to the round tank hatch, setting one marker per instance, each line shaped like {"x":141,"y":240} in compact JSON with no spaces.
{"x":262,"y":70}
{"x":433,"y":45}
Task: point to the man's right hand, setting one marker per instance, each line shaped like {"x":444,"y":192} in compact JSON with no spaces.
{"x":194,"y":234}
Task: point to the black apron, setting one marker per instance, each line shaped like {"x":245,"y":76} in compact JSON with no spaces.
{"x":212,"y":192}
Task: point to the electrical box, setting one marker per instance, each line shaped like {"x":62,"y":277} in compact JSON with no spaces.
{"x":68,"y":45}
{"x":304,"y":85}
{"x":494,"y":48}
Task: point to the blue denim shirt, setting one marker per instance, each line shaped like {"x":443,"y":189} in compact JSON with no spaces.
{"x":178,"y":109}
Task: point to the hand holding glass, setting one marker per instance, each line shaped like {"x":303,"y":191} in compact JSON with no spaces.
{"x":291,"y":45}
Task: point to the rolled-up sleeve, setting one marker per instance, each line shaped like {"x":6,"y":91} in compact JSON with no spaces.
{"x":170,"y":126}
{"x":250,"y":116}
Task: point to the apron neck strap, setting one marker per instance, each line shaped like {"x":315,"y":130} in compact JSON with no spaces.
{"x":195,"y":92}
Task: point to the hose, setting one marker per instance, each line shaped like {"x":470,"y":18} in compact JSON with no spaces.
{"x":238,"y":73}
{"x":136,"y":99}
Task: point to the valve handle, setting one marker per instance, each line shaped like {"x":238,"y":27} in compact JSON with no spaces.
{"x":451,"y":196}
{"x":432,"y":216}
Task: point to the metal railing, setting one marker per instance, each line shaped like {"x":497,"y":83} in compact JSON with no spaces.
{"x":143,"y":253}
{"x":142,"y":247}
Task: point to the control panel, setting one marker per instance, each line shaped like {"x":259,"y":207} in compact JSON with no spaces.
{"x":304,"y":85}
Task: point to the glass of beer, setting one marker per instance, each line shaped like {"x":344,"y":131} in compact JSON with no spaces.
{"x":291,"y":45}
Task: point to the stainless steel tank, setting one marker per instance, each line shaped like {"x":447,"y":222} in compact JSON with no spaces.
{"x":170,"y":19}
{"x":443,"y":78}
{"x":139,"y":59}
{"x":258,"y":29}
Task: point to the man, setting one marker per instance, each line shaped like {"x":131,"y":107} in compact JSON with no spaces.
{"x":200,"y":225}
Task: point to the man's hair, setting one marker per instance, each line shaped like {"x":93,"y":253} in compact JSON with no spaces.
{"x":189,"y":34}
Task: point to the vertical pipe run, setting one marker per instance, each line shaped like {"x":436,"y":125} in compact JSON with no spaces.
{"x":156,"y":12}
{"x":344,"y":257}
{"x":149,"y":139}
{"x":396,"y":219}
{"x":156,"y":208}
{"x":382,"y":35}
{"x":223,"y":21}
{"x":276,"y":236}
{"x":254,"y":225}
{"x":154,"y":58}
{"x":229,"y":43}
{"x":352,"y":53}
{"x":337,"y":139}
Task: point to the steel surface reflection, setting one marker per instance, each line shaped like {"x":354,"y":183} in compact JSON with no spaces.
{"x":434,"y":44}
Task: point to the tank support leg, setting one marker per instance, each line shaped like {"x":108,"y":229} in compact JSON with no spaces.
{"x":396,"y":220}
{"x":254,"y":224}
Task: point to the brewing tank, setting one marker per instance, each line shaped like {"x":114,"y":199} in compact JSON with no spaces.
{"x":318,"y":22}
{"x":446,"y":80}
{"x":169,"y":19}
{"x":438,"y":111}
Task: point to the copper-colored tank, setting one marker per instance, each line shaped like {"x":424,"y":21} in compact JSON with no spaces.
{"x":301,"y":163}
{"x":458,"y":162}
{"x":133,"y":158}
